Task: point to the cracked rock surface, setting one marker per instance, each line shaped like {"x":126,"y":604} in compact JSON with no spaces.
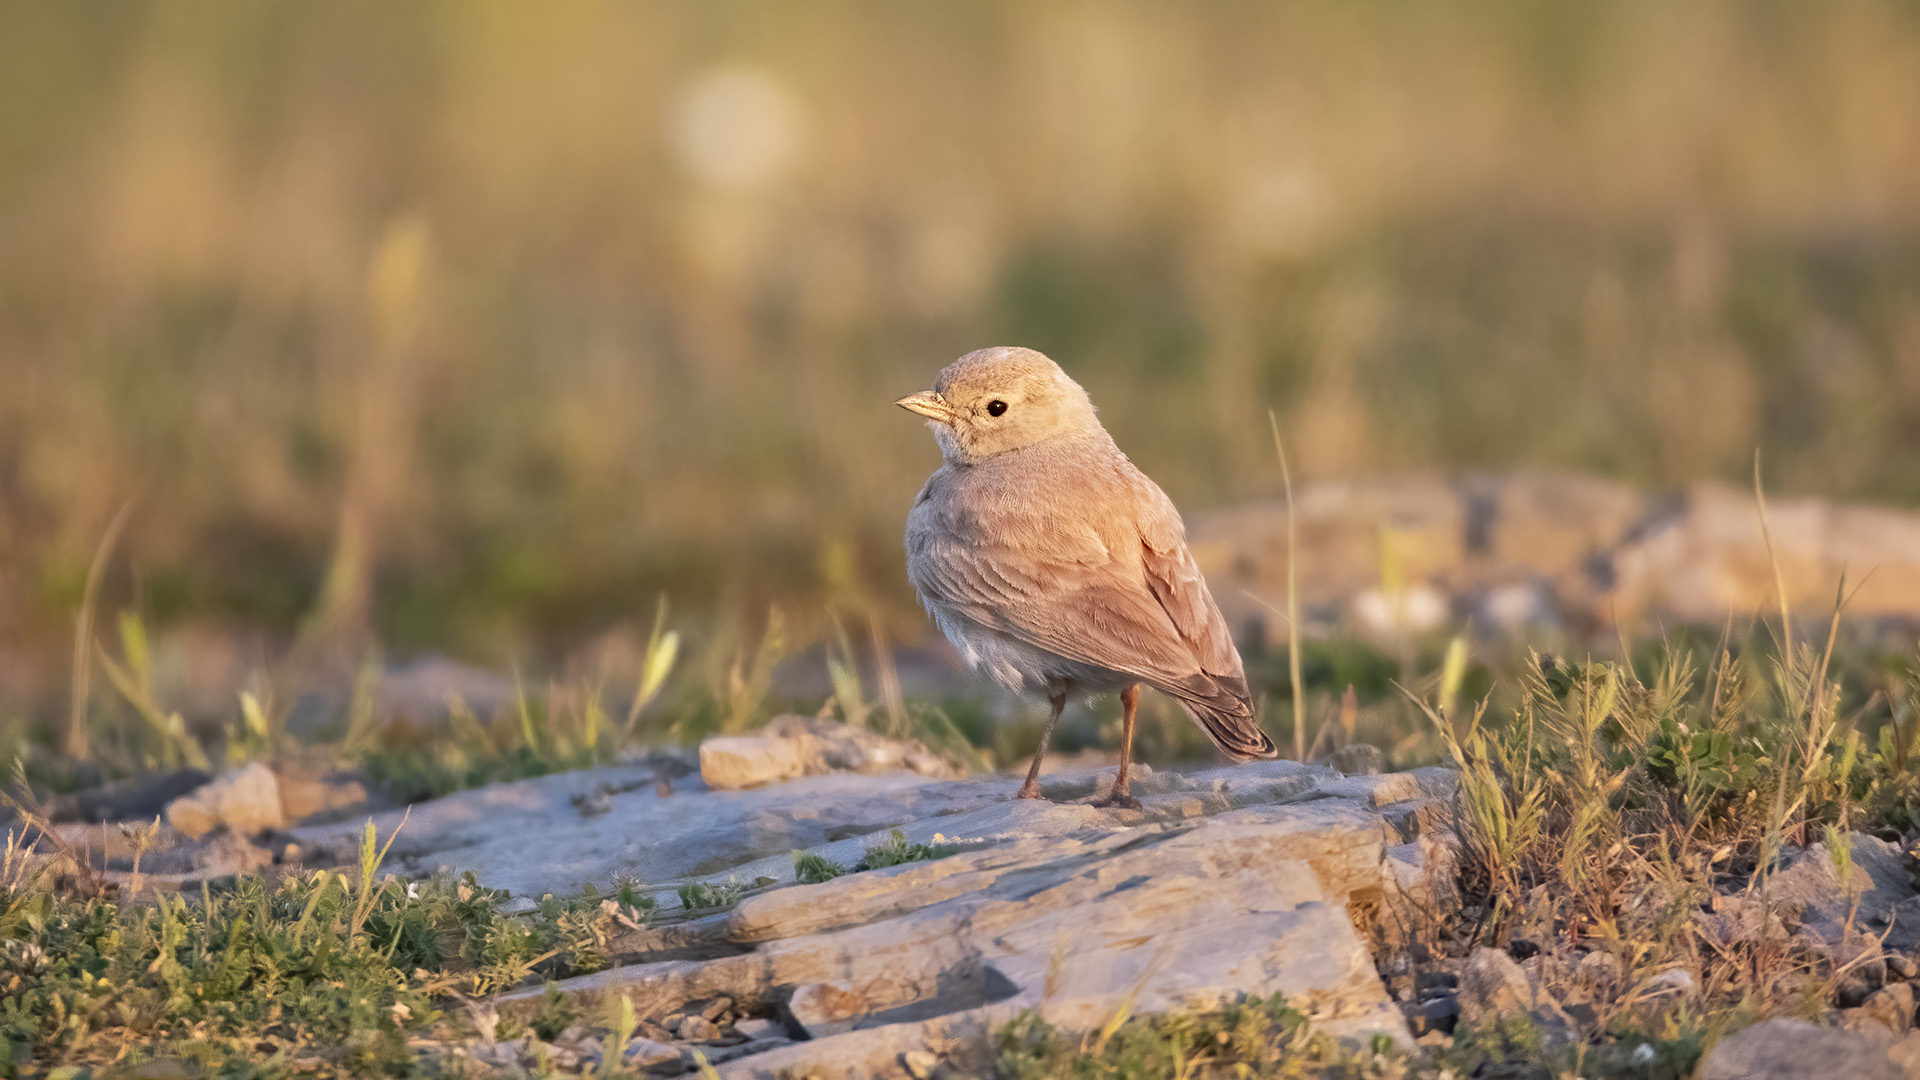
{"x":1228,"y":881}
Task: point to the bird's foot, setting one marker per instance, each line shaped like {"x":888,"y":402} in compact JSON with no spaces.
{"x":1029,"y":790}
{"x":1118,"y":800}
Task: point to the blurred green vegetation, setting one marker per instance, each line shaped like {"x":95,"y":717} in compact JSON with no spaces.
{"x":474,"y":327}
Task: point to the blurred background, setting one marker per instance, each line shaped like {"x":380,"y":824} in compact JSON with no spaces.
{"x":474,"y":329}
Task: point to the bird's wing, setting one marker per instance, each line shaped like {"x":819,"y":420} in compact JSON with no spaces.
{"x":1217,"y":698}
{"x":1114,"y":587}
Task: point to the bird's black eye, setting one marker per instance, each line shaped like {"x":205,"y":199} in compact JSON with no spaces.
{"x":996,"y":407}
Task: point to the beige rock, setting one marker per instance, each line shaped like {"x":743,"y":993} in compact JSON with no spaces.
{"x":309,"y":793}
{"x":745,"y":761}
{"x":1795,"y":1049}
{"x":697,"y":1029}
{"x":791,"y":746}
{"x":1532,"y":545}
{"x":823,"y":1009}
{"x":1493,"y":988}
{"x":246,"y":801}
{"x":1891,"y":1007}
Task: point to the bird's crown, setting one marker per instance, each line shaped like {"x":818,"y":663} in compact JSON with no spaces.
{"x":992,"y":401}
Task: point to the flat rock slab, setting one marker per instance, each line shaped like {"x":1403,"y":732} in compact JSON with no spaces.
{"x":556,"y":834}
{"x":1226,"y":882}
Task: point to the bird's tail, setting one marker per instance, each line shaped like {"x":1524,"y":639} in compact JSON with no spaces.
{"x":1226,"y":715}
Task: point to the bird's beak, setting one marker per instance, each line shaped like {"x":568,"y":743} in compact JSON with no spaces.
{"x":927,"y":404}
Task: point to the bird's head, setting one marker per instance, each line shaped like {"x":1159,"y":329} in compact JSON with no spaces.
{"x":995,"y":400}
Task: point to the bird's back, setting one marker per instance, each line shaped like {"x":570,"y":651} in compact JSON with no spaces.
{"x":1067,"y":548}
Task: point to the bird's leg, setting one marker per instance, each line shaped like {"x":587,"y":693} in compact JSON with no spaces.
{"x":1031,"y":789}
{"x":1121,"y":795}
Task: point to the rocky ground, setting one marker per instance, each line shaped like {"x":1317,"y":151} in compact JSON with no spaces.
{"x":1228,"y":881}
{"x":1336,"y":890}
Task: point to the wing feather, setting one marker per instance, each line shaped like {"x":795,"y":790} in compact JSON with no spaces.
{"x":1117,"y":589}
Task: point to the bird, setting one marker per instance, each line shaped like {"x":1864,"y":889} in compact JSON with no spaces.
{"x":1056,"y":567}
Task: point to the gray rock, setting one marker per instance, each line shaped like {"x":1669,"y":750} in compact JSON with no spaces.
{"x":1738,"y":920}
{"x":697,"y":1029}
{"x":758,"y":1028}
{"x":1228,"y":881}
{"x":1494,"y":988}
{"x":1808,"y":889}
{"x":1052,"y":907}
{"x":139,"y":798}
{"x":1439,"y":1014}
{"x":1359,"y":759}
{"x":1795,"y":1049}
{"x":642,"y":1052}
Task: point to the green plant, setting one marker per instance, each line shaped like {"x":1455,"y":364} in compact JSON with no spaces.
{"x":895,"y":850}
{"x":812,"y":869}
{"x":1257,"y":1039}
{"x":710,"y":895}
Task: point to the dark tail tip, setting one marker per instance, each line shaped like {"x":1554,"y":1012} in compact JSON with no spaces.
{"x":1235,"y":733}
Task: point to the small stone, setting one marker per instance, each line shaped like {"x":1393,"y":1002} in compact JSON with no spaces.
{"x":744,"y":761}
{"x":1494,"y":988}
{"x":697,"y":1029}
{"x":757,"y":1028}
{"x":712,"y":1010}
{"x":1677,"y":981}
{"x":1440,"y":1014}
{"x":1901,"y":967}
{"x":1891,"y":1007}
{"x":1359,"y":759}
{"x":823,"y":1009}
{"x":1866,"y":975}
{"x":246,"y":801}
{"x":1598,"y":974}
{"x":643,"y":1052}
{"x":656,"y":1032}
{"x":309,"y":793}
{"x":919,"y":1063}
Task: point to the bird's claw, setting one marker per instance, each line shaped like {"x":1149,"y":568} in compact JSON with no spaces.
{"x":1029,"y":791}
{"x":1119,"y":800}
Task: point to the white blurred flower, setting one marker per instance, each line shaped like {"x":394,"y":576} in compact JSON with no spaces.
{"x":735,"y":127}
